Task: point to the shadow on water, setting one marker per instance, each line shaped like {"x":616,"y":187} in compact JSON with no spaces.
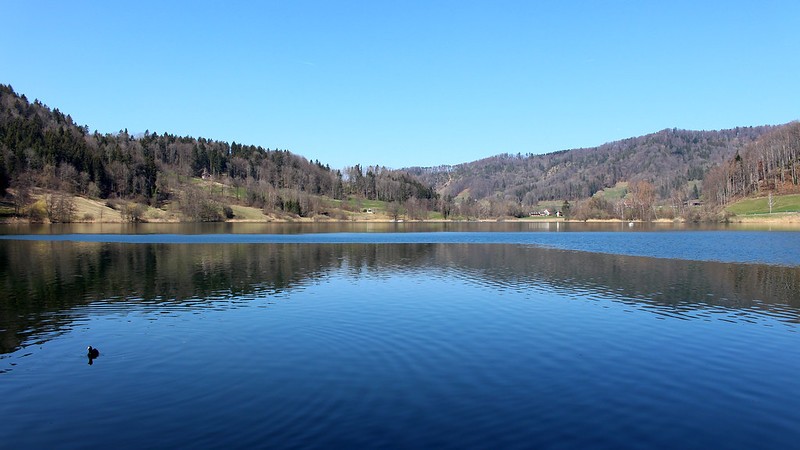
{"x":45,"y":285}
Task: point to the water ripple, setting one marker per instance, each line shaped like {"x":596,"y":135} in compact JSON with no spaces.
{"x":412,"y":345}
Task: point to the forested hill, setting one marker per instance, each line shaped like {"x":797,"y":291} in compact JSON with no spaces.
{"x":668,"y":159}
{"x":44,"y":149}
{"x":44,"y":152}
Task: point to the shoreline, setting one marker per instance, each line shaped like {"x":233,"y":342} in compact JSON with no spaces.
{"x":775,"y":218}
{"x":93,"y":211}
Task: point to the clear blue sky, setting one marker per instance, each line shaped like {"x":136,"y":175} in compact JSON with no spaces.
{"x":401,"y":83}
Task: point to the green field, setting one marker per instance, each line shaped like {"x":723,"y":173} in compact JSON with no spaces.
{"x":376,"y":205}
{"x":247,"y":213}
{"x":760,"y":205}
{"x":355,"y":203}
{"x":617,"y":192}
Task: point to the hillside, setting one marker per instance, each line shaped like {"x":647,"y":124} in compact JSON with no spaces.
{"x":668,"y":159}
{"x":769,"y":165}
{"x":46,"y":159}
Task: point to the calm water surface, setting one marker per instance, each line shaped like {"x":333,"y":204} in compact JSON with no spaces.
{"x":515,"y":338}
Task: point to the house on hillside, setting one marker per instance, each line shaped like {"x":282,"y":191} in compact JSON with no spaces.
{"x":545,"y":212}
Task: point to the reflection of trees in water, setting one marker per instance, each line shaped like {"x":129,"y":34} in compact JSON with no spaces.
{"x":658,"y":281}
{"x":39,"y":280}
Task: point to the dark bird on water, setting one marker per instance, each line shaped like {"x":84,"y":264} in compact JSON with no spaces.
{"x":92,"y":352}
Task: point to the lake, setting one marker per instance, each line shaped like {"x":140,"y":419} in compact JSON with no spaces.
{"x":399,"y":336}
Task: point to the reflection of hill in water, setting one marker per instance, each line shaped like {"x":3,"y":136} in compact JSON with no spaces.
{"x":40,"y":281}
{"x":657,"y":282}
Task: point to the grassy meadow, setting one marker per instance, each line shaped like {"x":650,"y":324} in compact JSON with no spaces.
{"x":760,"y":205}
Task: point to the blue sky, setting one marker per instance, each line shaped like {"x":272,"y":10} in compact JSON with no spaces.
{"x":402,"y":83}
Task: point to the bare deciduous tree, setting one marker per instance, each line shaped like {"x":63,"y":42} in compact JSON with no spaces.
{"x":59,"y":207}
{"x":643,"y":196}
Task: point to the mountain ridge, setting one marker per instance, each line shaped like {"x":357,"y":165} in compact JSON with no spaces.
{"x":668,"y":158}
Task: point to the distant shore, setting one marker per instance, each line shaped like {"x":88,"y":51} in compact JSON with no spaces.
{"x":782,"y":218}
{"x":94,"y":211}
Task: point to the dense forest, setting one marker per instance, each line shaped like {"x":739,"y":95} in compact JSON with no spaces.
{"x":42,"y":150}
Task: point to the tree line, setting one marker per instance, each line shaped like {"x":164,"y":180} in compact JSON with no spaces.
{"x":662,"y":175}
{"x":769,"y":164}
{"x":671,"y":160}
{"x":43,"y":148}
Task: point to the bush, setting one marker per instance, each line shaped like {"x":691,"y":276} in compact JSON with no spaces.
{"x":228,"y":212}
{"x":707,"y":214}
{"x":339,"y":215}
{"x":199,"y":208}
{"x":132,"y":212}
{"x":37,"y":212}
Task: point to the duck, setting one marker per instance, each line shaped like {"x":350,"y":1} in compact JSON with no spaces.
{"x":92,"y":352}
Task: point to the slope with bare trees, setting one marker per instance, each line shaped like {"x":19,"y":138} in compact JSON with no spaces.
{"x":667,"y":159}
